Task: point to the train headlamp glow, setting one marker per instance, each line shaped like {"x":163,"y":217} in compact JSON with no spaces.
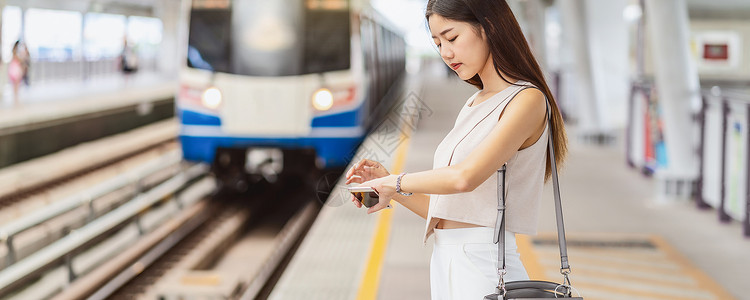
{"x":322,"y":99}
{"x":211,"y":97}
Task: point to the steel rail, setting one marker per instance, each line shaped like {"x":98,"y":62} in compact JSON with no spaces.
{"x":110,"y":276}
{"x":290,"y":235}
{"x":86,"y":197}
{"x":29,"y":266}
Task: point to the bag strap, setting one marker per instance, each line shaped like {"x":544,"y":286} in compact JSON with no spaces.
{"x":499,"y":237}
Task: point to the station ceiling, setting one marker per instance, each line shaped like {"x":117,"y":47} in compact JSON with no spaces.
{"x":698,"y":8}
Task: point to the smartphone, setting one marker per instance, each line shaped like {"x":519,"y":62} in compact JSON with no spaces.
{"x":365,"y":195}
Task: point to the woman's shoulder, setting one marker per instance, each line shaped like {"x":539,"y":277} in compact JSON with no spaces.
{"x":528,"y":90}
{"x":529,"y":100}
{"x":531,"y":91}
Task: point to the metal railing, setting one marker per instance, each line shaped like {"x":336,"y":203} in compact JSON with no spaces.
{"x":732,"y":105}
{"x":68,"y":245}
{"x":82,"y":69}
{"x":641,"y":88}
{"x":86,"y":197}
{"x":719,"y":108}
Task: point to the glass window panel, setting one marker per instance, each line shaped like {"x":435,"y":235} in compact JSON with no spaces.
{"x":11,"y":30}
{"x":53,"y":34}
{"x":103,"y":35}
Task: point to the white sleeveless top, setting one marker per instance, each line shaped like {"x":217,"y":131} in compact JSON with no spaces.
{"x":524,"y":173}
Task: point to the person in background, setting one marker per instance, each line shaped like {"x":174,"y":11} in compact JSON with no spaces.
{"x":128,"y":59}
{"x":25,"y":62}
{"x":16,"y":71}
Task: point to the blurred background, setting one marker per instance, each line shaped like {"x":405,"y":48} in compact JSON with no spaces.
{"x":193,"y":149}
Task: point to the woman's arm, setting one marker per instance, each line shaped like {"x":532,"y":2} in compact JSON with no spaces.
{"x":417,"y":203}
{"x":521,"y":123}
{"x":522,"y":120}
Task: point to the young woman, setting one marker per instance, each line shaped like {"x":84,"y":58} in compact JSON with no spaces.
{"x":504,"y":122}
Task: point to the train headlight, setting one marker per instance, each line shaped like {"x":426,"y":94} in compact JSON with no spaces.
{"x":211,"y":98}
{"x":322,"y":99}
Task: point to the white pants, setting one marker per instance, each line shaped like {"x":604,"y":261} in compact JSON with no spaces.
{"x":464,"y":263}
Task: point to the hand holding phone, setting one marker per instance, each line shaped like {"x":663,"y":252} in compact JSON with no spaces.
{"x":366,"y":195}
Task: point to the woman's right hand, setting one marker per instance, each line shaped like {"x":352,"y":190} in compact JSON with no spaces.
{"x":365,"y":170}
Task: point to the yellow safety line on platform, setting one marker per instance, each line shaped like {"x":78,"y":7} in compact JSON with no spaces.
{"x":618,"y":291}
{"x":529,"y":258}
{"x":614,"y":265}
{"x":703,"y":279}
{"x":368,"y":288}
{"x":540,"y":266}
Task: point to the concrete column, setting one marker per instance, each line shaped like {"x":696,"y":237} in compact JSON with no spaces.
{"x":517,"y":9}
{"x":24,"y":9}
{"x":608,"y":41}
{"x":676,"y":79}
{"x":575,"y":35}
{"x":82,"y":54}
{"x":169,"y":12}
{"x":3,"y":67}
{"x":534,"y":13}
{"x":22,"y":35}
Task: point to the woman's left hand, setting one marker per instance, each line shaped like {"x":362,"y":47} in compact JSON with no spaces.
{"x":386,"y":187}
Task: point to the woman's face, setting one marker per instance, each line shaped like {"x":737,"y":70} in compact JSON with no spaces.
{"x":462,"y":48}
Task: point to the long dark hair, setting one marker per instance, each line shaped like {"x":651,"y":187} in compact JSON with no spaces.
{"x":510,"y":53}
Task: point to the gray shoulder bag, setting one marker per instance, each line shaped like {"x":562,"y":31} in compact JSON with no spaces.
{"x":531,"y":289}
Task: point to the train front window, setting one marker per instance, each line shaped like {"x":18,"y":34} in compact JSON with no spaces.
{"x":209,"y":40}
{"x":269,"y":38}
{"x":327,"y":41}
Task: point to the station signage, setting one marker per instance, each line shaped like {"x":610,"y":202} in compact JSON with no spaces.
{"x":327,"y":4}
{"x":211,"y":4}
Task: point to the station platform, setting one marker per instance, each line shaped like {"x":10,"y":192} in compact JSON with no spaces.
{"x":64,"y":98}
{"x":623,"y":242}
{"x":54,"y":115}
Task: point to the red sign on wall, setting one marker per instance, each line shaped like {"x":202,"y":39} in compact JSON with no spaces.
{"x":716,"y":51}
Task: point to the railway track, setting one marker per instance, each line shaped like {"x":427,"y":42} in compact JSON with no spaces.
{"x":47,"y":204}
{"x":156,"y":230}
{"x":38,"y":221}
{"x":39,"y":187}
{"x":204,"y":263}
{"x":60,"y":262}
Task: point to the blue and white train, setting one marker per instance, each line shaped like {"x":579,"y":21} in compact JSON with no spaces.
{"x":296,"y":81}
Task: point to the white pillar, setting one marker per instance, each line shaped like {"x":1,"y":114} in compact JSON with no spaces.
{"x":22,"y":35}
{"x":169,"y":11}
{"x":534,"y":14}
{"x":3,"y":67}
{"x":575,"y":35}
{"x":676,"y":79}
{"x":82,"y":45}
{"x":610,"y":64}
{"x":515,"y":7}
